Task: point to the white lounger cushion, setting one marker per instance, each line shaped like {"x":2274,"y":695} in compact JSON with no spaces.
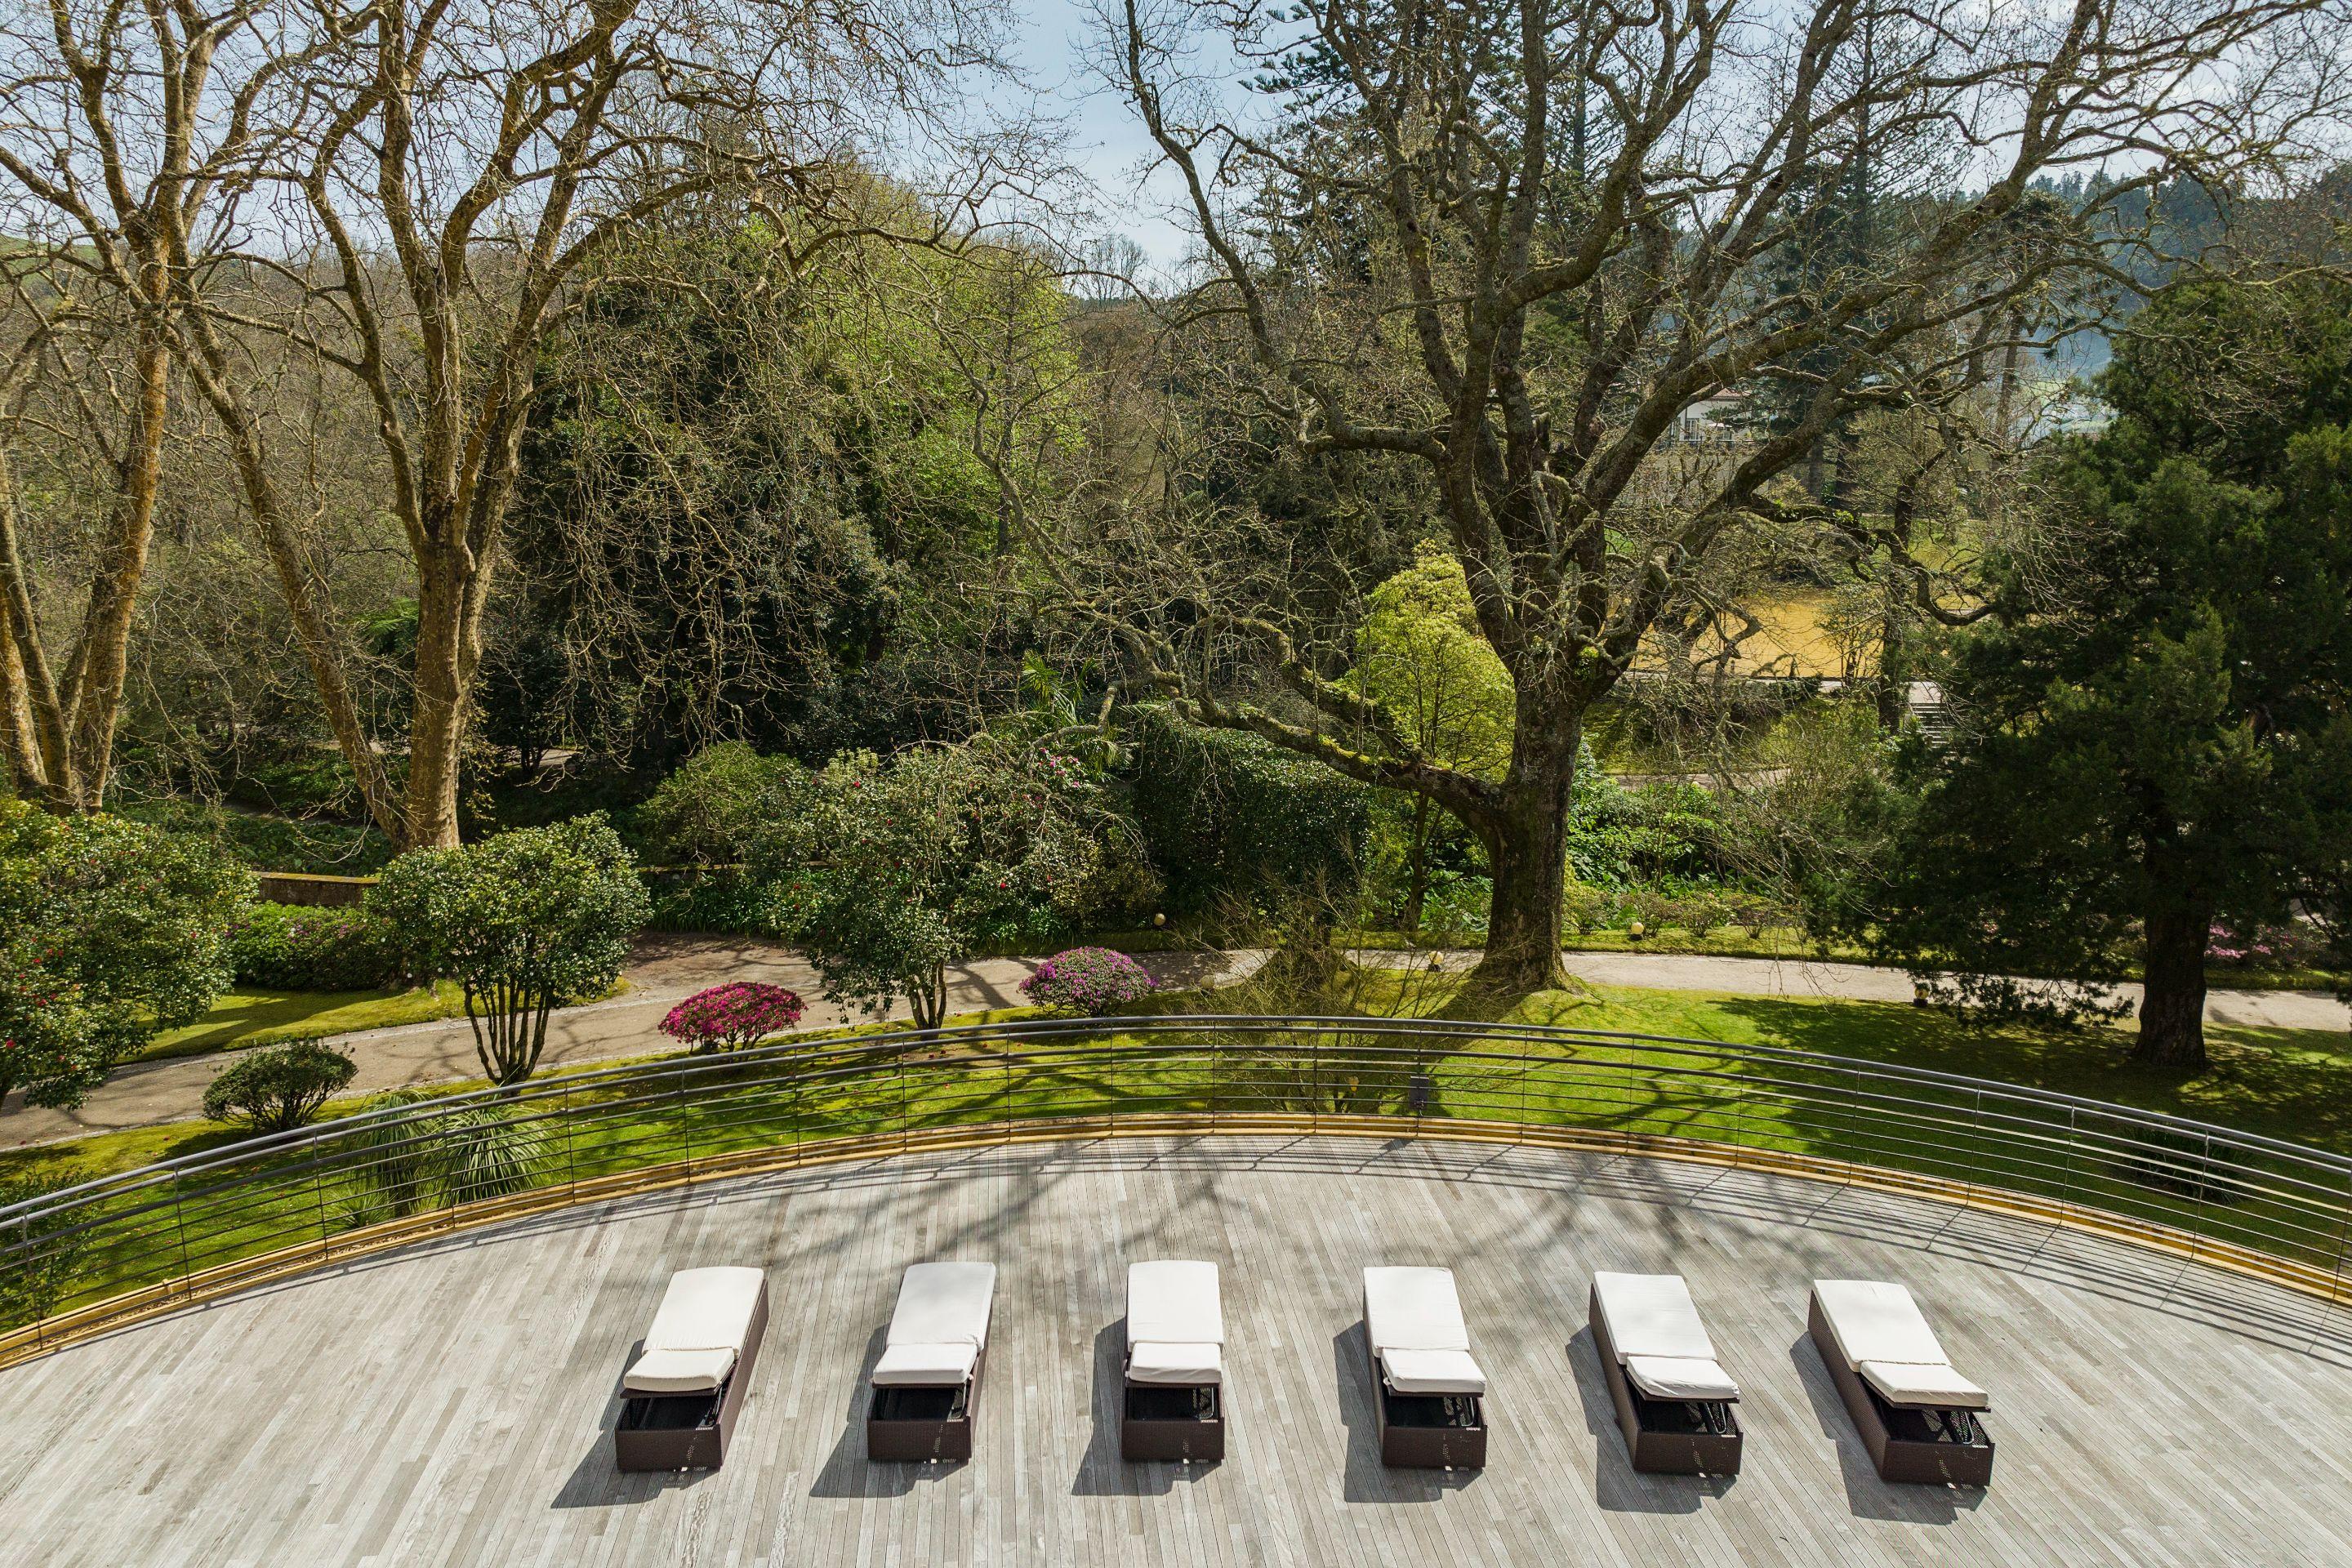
{"x":1176,"y":1363}
{"x":925,"y":1366}
{"x":1659,"y":1339}
{"x":1680,"y":1377}
{"x":940,"y":1324}
{"x":679,"y":1371}
{"x":1934,"y":1387}
{"x":1175,"y":1323}
{"x":698,"y":1330}
{"x":1881,"y":1334}
{"x":1414,"y":1319}
{"x":1432,"y":1372}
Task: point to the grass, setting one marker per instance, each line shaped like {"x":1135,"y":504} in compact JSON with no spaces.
{"x":250,"y":1016}
{"x":2282,"y":1084}
{"x":2291,"y":1084}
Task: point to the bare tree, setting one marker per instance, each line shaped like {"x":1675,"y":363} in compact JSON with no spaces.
{"x":124,"y":142}
{"x":469,"y":159}
{"x":1514,"y":242}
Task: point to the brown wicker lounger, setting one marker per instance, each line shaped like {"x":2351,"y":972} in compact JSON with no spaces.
{"x":1427,"y":1392}
{"x":1673,"y":1400}
{"x":1917,"y":1417}
{"x":928,"y":1377}
{"x":680,"y":1397}
{"x":1172,"y":1395}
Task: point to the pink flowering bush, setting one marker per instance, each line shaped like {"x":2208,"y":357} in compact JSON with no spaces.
{"x":1086,"y":981}
{"x":729,"y":1017}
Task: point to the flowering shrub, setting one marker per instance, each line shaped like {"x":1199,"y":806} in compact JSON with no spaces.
{"x":1086,"y":981}
{"x":727,"y":1017}
{"x":289,"y":948}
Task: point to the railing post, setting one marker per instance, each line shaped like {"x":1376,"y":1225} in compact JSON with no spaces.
{"x":2074,"y":1134}
{"x":570,"y":1149}
{"x":685,"y":1131}
{"x":180,"y":1224}
{"x":1315,"y":1083}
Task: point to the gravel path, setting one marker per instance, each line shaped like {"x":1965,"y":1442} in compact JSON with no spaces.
{"x":668,"y":969}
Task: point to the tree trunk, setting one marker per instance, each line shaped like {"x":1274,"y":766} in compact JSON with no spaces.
{"x":437,"y":728}
{"x":1526,"y":846}
{"x":2172,"y":1009}
{"x":105,"y":651}
{"x":1416,"y":891}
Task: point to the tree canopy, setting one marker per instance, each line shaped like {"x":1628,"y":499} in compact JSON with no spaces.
{"x":2156,"y":730}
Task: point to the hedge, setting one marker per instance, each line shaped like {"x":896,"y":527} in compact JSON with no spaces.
{"x":1225,"y":814}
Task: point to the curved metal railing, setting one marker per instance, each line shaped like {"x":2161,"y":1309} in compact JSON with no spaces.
{"x":92,"y":1257}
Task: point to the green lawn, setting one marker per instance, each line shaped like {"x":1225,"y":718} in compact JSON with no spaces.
{"x":2290,"y":1084}
{"x":250,"y":1016}
{"x":2285,"y":1085}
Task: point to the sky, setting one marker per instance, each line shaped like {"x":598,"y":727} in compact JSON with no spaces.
{"x":1107,"y":142}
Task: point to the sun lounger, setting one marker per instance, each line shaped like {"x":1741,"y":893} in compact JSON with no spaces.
{"x":1918,"y":1417}
{"x":1172,"y":1393}
{"x":1674,"y":1399}
{"x":1428,"y":1392}
{"x":928,"y":1376}
{"x":680,"y":1397}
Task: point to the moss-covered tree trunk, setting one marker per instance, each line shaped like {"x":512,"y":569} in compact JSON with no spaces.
{"x":1525,"y":834}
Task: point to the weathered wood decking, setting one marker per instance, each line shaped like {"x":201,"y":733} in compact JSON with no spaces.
{"x":453,"y":1404}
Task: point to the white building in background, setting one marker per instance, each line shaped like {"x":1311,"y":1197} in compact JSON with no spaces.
{"x":1711,"y":419}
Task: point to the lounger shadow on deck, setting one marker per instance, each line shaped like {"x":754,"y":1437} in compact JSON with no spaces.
{"x":1367,"y":1479}
{"x":1866,"y":1496}
{"x":847,"y":1471}
{"x":1617,"y":1486}
{"x":1101,"y":1471}
{"x":595,"y":1483}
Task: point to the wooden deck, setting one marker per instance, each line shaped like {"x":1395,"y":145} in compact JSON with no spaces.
{"x":452,"y":1403}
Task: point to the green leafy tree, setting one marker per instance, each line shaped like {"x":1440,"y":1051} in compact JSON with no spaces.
{"x":896,"y":869}
{"x":1421,"y":656}
{"x":110,"y":932}
{"x":522,"y":920}
{"x":2155,"y":730}
{"x":279,"y":1090}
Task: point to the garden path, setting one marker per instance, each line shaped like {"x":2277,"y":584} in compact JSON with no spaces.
{"x":669,"y":968}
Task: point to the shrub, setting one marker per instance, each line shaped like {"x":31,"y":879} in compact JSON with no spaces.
{"x":114,"y":920}
{"x":1086,"y":981}
{"x":1583,"y":907}
{"x":457,"y":1156}
{"x":279,"y":1089}
{"x":896,"y":869}
{"x":522,"y":920}
{"x":1224,"y":814}
{"x":715,"y":806}
{"x":314,"y":844}
{"x":727,"y":1017}
{"x":1699,"y":912}
{"x":289,"y":948}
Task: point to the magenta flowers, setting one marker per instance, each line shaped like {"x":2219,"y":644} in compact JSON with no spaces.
{"x":728,"y":1017}
{"x":1087,"y":980}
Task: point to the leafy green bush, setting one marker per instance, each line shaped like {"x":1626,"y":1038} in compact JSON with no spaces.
{"x":457,"y":1156}
{"x":721,"y":800}
{"x":896,"y":869}
{"x":289,"y":948}
{"x":315,"y":847}
{"x":1224,"y":814}
{"x":279,"y":1089}
{"x":111,"y":932}
{"x":1660,"y":834}
{"x":730,"y":902}
{"x":521,"y":921}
